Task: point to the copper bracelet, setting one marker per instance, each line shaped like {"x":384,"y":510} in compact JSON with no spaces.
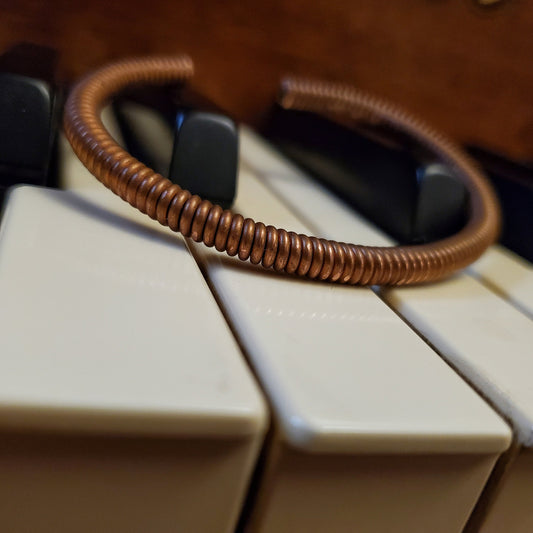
{"x":277,"y":248}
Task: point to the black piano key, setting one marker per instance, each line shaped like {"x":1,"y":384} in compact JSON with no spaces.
{"x":197,"y":145}
{"x":390,"y":183}
{"x":29,"y":107}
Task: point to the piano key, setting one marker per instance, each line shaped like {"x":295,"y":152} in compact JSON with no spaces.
{"x":30,"y":111}
{"x":370,"y":424}
{"x":125,"y":404}
{"x":489,"y":341}
{"x":507,"y":274}
{"x":484,"y":336}
{"x":510,"y":508}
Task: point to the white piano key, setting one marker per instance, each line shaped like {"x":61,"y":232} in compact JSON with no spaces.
{"x":511,"y":509}
{"x":125,"y":403}
{"x":507,"y":274}
{"x":257,"y":153}
{"x":359,"y":401}
{"x":481,"y":334}
{"x":490,"y":342}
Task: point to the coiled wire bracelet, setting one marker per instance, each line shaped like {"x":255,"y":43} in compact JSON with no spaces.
{"x":285,"y":251}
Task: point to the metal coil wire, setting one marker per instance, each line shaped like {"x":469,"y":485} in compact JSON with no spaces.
{"x":284,"y":251}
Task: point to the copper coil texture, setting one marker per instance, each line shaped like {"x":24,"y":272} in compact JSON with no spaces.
{"x":284,"y":251}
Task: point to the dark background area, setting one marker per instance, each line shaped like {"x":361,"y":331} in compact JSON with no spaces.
{"x":465,"y":67}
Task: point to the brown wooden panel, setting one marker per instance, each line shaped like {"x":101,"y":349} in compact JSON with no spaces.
{"x":465,"y":68}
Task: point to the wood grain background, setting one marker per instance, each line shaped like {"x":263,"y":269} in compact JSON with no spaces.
{"x":467,"y":69}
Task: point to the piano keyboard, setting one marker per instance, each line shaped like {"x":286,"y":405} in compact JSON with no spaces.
{"x":134,"y":396}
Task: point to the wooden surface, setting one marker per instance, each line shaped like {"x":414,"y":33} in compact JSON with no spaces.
{"x":465,"y":68}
